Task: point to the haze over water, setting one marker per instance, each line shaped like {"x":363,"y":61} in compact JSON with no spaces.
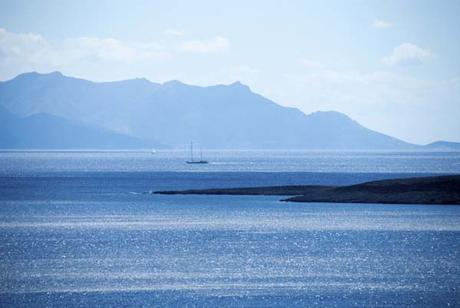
{"x":81,"y":228}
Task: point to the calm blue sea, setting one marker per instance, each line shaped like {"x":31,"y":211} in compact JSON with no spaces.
{"x":81,"y":229}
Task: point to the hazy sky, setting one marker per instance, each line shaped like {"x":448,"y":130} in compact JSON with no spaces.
{"x":394,"y":66}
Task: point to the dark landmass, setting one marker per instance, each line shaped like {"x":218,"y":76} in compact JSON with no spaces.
{"x":420,"y":190}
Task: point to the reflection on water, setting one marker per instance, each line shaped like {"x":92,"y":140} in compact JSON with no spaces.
{"x":96,"y":238}
{"x":241,"y":161}
{"x":233,"y":247}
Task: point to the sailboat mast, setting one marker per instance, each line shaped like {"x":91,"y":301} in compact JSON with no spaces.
{"x":191,"y":151}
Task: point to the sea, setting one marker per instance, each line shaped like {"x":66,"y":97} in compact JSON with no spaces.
{"x":84,"y":229}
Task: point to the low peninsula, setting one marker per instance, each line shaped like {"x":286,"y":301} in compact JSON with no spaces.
{"x":419,"y":190}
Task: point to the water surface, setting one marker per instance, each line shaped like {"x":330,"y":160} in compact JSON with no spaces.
{"x":82,"y":229}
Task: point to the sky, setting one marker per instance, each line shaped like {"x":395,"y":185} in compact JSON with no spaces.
{"x":393,"y":66}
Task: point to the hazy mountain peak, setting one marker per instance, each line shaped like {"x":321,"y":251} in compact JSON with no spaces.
{"x":239,"y":85}
{"x":173,"y":83}
{"x":37,"y":74}
{"x":55,"y":73}
{"x":236,"y":84}
{"x":43,"y":77}
{"x":28,"y":76}
{"x":443,"y":145}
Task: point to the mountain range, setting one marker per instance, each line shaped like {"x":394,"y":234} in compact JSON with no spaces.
{"x":56,"y":111}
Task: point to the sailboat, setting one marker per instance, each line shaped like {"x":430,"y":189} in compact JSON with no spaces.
{"x":192,"y":160}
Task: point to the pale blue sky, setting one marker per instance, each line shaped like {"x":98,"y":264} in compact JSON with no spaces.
{"x":392,"y":65}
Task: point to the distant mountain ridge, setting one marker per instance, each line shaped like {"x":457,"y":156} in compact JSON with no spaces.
{"x":443,"y":145}
{"x":44,"y":131}
{"x":173,"y":113}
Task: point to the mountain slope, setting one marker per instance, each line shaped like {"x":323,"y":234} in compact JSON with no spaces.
{"x":173,"y":113}
{"x":44,"y":131}
{"x":443,"y":145}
